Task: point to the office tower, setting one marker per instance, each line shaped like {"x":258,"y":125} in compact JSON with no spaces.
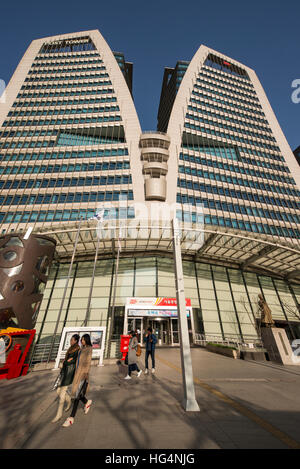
{"x":71,"y":142}
{"x":68,"y":117}
{"x":297,"y":154}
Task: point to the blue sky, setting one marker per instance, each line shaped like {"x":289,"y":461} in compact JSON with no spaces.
{"x":262,"y":34}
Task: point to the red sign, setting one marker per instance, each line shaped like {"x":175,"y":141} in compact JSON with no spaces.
{"x":157,"y":301}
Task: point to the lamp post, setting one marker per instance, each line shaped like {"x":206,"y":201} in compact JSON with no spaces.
{"x":65,"y":290}
{"x":189,"y":402}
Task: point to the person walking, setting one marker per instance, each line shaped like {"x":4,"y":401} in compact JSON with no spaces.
{"x":68,"y":372}
{"x":150,"y":340}
{"x":81,"y":379}
{"x":132,"y":359}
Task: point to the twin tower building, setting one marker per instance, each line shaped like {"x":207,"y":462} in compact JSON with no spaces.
{"x":71,"y":143}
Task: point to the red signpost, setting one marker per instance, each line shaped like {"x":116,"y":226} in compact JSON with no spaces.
{"x":124,"y":345}
{"x":15,"y":365}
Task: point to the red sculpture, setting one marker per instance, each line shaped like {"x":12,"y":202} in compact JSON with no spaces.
{"x":15,"y":365}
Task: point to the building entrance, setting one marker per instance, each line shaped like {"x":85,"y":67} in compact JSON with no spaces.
{"x":166,"y":330}
{"x":158,"y":313}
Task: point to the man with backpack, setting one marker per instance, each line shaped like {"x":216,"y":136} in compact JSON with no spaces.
{"x":150,"y":340}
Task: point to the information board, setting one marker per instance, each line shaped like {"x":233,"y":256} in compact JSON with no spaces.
{"x":97,"y":335}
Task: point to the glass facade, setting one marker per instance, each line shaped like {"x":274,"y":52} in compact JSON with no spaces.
{"x":66,"y":109}
{"x":224,"y":300}
{"x":230,"y":161}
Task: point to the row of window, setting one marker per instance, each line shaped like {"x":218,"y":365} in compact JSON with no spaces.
{"x":64,"y":140}
{"x":66,"y":182}
{"x":223,"y":109}
{"x":42,"y":86}
{"x":239,"y":224}
{"x":239,"y":130}
{"x":236,"y":208}
{"x":64,"y":215}
{"x":70,"y":77}
{"x":224,"y":152}
{"x":226,"y":102}
{"x":69,"y":139}
{"x":53,"y":70}
{"x":236,"y":169}
{"x":66,"y":93}
{"x":31,"y":133}
{"x":235,"y":180}
{"x":235,"y":79}
{"x":66,"y":102}
{"x":248,"y":88}
{"x":65,"y":110}
{"x":235,"y":138}
{"x":264,"y":199}
{"x":75,"y":120}
{"x":65,"y":168}
{"x":67,"y":62}
{"x":65,"y":154}
{"x":61,"y":198}
{"x":213,"y":90}
{"x":230,"y":93}
{"x":230,"y":119}
{"x":250,"y":151}
{"x":66,"y":56}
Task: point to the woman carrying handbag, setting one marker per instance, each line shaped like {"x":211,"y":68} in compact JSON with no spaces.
{"x":132,"y":357}
{"x":66,"y":376}
{"x":81,"y":379}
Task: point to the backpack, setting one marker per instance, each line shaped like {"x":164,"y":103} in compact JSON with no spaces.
{"x":138,"y":350}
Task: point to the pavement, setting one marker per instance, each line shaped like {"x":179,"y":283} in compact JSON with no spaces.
{"x":243,"y":405}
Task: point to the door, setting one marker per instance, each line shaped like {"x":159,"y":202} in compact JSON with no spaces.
{"x":161,"y":329}
{"x":174,"y":331}
{"x":136,"y":324}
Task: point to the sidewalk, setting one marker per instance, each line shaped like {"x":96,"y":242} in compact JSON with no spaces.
{"x":146,"y":412}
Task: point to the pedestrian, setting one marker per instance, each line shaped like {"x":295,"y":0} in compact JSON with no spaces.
{"x":68,"y":372}
{"x":81,"y":379}
{"x":132,"y":359}
{"x":150,"y":340}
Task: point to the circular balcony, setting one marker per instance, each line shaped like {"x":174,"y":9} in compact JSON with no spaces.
{"x":154,"y":154}
{"x":155,"y":167}
{"x":155,"y":139}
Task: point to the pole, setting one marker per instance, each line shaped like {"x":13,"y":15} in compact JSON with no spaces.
{"x":65,"y":290}
{"x":114,"y":299}
{"x":189,"y":402}
{"x":87,"y":316}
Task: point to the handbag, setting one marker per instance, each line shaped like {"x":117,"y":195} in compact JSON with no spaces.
{"x":57,"y":381}
{"x":138,"y":350}
{"x":81,"y":389}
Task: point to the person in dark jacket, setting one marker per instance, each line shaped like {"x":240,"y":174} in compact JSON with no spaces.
{"x":150,"y":340}
{"x":80,"y":384}
{"x":68,"y":372}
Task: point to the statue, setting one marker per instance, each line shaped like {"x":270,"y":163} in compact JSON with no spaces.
{"x":266,"y":317}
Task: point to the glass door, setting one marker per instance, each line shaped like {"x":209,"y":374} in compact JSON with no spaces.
{"x":136,"y":324}
{"x":174,"y":331}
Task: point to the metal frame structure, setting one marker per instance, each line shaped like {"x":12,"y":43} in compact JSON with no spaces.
{"x":255,"y":253}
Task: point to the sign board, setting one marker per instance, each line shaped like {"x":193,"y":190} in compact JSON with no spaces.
{"x":155,"y":302}
{"x":159,"y":307}
{"x":97,"y":335}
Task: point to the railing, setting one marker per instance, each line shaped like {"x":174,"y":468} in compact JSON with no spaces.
{"x":154,"y":132}
{"x":248,"y":343}
{"x":40,"y":353}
